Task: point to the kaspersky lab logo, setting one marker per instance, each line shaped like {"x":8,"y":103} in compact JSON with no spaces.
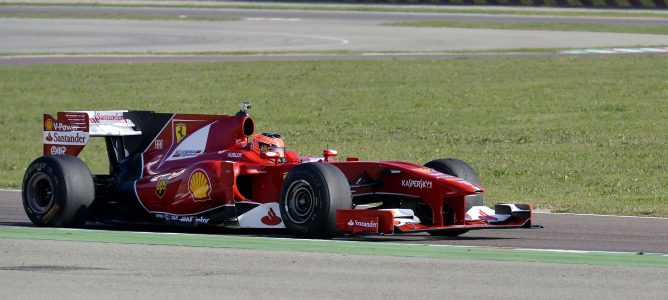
{"x":418,"y":184}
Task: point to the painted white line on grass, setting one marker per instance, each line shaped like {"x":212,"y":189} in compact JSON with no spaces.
{"x":9,"y":190}
{"x":274,"y":19}
{"x":402,"y":53}
{"x":623,"y":50}
{"x":542,"y":250}
{"x":617,"y":51}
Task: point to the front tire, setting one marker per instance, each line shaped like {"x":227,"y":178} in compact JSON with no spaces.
{"x":58,"y":191}
{"x":310,"y":196}
{"x":457,"y":168}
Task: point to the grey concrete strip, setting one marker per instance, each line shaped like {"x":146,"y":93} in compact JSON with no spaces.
{"x":377,"y":17}
{"x":109,"y":36}
{"x":569,"y":232}
{"x":31,"y":269}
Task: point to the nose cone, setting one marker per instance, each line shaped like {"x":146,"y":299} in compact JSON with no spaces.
{"x":464,"y":186}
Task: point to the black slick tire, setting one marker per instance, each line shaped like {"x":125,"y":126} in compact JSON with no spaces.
{"x":58,"y":191}
{"x":310,"y":196}
{"x":461,"y":169}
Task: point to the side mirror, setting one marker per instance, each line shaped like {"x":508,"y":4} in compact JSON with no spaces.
{"x":327,"y":153}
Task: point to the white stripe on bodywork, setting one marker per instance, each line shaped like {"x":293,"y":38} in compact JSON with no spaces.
{"x":253,"y":217}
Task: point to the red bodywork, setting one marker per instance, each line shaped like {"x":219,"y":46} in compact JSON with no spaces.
{"x":197,"y":165}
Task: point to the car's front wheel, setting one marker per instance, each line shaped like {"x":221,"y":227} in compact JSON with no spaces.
{"x":310,"y":196}
{"x":461,"y":169}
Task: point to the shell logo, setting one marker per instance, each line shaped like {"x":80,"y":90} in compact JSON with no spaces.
{"x":199,"y":185}
{"x":48,"y":124}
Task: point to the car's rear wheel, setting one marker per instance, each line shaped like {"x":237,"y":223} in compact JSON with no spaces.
{"x":310,"y":196}
{"x":58,"y":191}
{"x":458,"y":168}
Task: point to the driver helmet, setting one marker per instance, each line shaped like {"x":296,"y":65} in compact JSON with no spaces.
{"x":267,"y":141}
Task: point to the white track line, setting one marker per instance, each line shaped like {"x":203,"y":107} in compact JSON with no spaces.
{"x":541,"y":250}
{"x":274,"y":19}
{"x":595,"y":215}
{"x":299,"y":240}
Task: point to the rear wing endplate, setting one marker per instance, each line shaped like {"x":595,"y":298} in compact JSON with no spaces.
{"x":69,"y":132}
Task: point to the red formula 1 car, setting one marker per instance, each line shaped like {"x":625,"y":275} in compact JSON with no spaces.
{"x":193,"y":170}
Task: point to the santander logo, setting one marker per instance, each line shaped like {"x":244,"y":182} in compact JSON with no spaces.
{"x":271,"y":219}
{"x":369,"y":224}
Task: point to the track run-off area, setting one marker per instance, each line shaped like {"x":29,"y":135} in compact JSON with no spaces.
{"x":571,"y":257}
{"x":561,"y":232}
{"x":131,"y":261}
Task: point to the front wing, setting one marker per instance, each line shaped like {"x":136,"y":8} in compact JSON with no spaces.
{"x":391,"y":221}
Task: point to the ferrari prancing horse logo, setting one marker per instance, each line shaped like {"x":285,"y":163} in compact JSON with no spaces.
{"x":180,"y":131}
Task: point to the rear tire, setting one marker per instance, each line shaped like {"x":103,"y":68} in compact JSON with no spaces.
{"x":58,"y":191}
{"x":310,"y":196}
{"x":458,"y":168}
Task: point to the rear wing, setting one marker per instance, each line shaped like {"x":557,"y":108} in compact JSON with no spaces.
{"x":69,"y":132}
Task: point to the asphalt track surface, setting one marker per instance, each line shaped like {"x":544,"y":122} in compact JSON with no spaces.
{"x":40,"y":269}
{"x":560,"y":231}
{"x":34,"y":269}
{"x":275,"y":30}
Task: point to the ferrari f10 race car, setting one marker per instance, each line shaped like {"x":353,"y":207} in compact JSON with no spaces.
{"x":187,"y":169}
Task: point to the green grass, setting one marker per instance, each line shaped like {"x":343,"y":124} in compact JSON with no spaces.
{"x":445,"y":9}
{"x":648,"y":29}
{"x":569,"y":134}
{"x":113,"y":17}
